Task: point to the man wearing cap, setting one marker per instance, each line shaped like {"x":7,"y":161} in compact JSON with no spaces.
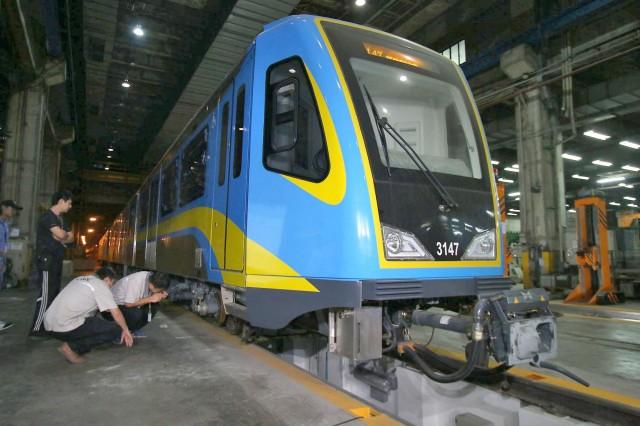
{"x":51,"y":240}
{"x":9,"y":208}
{"x":71,"y":317}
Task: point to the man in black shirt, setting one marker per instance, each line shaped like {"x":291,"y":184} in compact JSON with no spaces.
{"x":52,"y":236}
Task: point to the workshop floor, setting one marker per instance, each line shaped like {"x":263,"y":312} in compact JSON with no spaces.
{"x":185,"y":372}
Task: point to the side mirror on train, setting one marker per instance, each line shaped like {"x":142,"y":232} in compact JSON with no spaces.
{"x":284,"y":117}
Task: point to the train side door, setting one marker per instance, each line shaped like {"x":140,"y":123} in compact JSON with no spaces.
{"x":220,"y":181}
{"x":237,"y":173}
{"x":152,"y":226}
{"x":141,"y":227}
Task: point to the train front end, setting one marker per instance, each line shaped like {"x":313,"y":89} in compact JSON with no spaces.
{"x":433,"y":207}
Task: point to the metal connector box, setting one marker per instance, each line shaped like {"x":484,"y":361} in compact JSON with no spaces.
{"x":357,"y":333}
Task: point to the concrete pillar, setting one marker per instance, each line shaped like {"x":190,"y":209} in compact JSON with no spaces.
{"x":50,"y":174}
{"x":22,"y":163}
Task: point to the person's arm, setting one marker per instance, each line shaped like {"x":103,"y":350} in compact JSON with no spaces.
{"x":126,"y":336}
{"x":153,"y":298}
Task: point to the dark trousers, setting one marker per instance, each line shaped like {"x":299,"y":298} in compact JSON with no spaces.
{"x":49,"y":289}
{"x":94,"y":332}
{"x":136,"y":318}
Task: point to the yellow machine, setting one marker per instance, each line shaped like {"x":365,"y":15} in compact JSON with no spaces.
{"x":596,"y":284}
{"x":508,"y":255}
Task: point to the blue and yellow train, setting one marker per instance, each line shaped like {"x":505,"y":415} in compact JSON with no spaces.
{"x":336,"y":167}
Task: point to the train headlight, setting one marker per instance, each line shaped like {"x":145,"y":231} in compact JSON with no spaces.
{"x":482,"y":247}
{"x":399,"y":244}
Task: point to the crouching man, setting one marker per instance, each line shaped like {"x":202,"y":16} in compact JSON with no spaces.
{"x":71,"y":317}
{"x":137,"y":295}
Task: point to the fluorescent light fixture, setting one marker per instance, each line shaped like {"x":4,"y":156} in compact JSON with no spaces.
{"x":505,"y":180}
{"x":514,"y":210}
{"x":511,"y":169}
{"x":631,"y":168}
{"x":571,"y":157}
{"x":91,"y":230}
{"x":613,"y":203}
{"x":630,"y":144}
{"x":571,"y":210}
{"x":495,"y":162}
{"x":514,"y":194}
{"x":110,"y":149}
{"x":632,"y":205}
{"x":361,"y":3}
{"x":602,"y":163}
{"x":106,"y":168}
{"x":403,"y":78}
{"x":512,"y":214}
{"x":108,"y":156}
{"x":580,"y":177}
{"x":517,"y":199}
{"x":126,"y":83}
{"x":93,"y":219}
{"x":596,"y":135}
{"x":630,"y":198}
{"x":137,"y":30}
{"x":624,"y":185}
{"x":84,"y":240}
{"x":515,"y":166}
{"x":611,"y":179}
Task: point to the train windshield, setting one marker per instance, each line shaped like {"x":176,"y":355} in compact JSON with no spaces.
{"x":417,"y":122}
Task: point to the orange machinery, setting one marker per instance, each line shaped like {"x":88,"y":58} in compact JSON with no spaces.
{"x":596,"y":284}
{"x":503,"y":218}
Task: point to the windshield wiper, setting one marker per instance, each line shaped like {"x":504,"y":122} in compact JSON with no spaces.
{"x":378,"y":120}
{"x":446,"y":199}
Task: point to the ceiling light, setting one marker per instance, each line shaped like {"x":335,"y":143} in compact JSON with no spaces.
{"x":629,"y":144}
{"x":512,"y":214}
{"x":505,"y":180}
{"x":514,"y":210}
{"x":106,"y":168}
{"x":108,"y":156}
{"x":630,"y":198}
{"x":596,"y":135}
{"x":126,"y":83}
{"x":110,"y":149}
{"x":137,"y":30}
{"x":495,"y":162}
{"x":602,"y":163}
{"x":93,"y":219}
{"x":613,"y":203}
{"x":360,"y":3}
{"x":514,"y":194}
{"x":632,"y":205}
{"x":91,"y":230}
{"x":403,"y":78}
{"x":511,"y":169}
{"x":611,"y":179}
{"x":624,"y":185}
{"x":631,"y":168}
{"x":571,"y":157}
{"x":517,"y":199}
{"x":515,"y":166}
{"x":580,"y":177}
{"x":571,"y":210}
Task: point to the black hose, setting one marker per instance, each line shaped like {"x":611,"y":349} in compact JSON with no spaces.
{"x":457,"y":375}
{"x":479,"y":313}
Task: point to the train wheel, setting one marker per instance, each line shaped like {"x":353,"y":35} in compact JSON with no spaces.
{"x":221,"y":315}
{"x":233,"y":325}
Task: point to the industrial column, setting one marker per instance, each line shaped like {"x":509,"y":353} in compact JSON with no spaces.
{"x":541,"y":179}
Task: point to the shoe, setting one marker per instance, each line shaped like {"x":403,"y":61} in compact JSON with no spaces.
{"x":138,"y":334}
{"x":5,"y":325}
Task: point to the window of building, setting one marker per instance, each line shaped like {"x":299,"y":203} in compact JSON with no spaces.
{"x":294,"y":141}
{"x":239,"y":132}
{"x":457,"y":53}
{"x":194,"y":168}
{"x":169,"y":185}
{"x":224,"y":139}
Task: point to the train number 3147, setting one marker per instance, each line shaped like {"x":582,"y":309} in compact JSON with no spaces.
{"x":447,"y":249}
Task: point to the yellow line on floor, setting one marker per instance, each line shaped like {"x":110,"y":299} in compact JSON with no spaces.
{"x":556,"y":382}
{"x":359,"y":409}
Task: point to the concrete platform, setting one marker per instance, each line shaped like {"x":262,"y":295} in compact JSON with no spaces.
{"x":187,"y":371}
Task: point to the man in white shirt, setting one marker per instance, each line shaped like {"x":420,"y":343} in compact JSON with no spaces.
{"x":136,"y":296}
{"x":71,"y":317}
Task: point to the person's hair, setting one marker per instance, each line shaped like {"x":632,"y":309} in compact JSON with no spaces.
{"x":63,"y":194}
{"x":106,"y":272}
{"x":160,"y":280}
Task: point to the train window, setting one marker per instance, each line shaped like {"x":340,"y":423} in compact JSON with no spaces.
{"x":194,"y":166}
{"x":153,"y":202}
{"x":144,"y":208}
{"x":294,"y":139}
{"x":168,"y":185}
{"x":239,"y":132}
{"x":224,"y":138}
